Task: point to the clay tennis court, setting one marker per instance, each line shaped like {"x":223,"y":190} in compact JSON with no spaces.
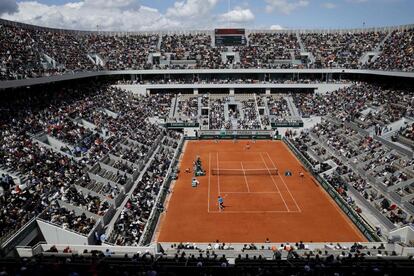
{"x":260,"y":203}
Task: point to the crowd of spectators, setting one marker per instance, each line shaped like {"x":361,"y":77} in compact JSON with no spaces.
{"x":68,"y":219}
{"x":188,"y":107}
{"x":66,"y":49}
{"x":123,"y":51}
{"x":93,"y":204}
{"x":18,"y":56}
{"x":191,"y":47}
{"x":33,"y":52}
{"x":397,"y":53}
{"x":245,"y":112}
{"x":269,"y":50}
{"x":228,"y":80}
{"x":278,"y":106}
{"x":342,"y":50}
{"x":365,"y":104}
{"x":131,"y":154}
{"x":358,"y":153}
{"x":407,"y":131}
{"x":216,"y":116}
{"x":49,"y":173}
{"x":356,"y":260}
{"x":131,"y":223}
{"x":251,"y":118}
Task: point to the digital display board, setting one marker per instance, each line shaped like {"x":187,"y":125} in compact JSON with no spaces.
{"x":230,"y":37}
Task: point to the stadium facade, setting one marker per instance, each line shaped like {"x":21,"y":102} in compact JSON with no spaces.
{"x":180,"y":67}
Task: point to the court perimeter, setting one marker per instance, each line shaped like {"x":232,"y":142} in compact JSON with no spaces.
{"x":258,"y":206}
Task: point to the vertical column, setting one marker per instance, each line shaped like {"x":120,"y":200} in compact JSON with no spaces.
{"x":267,"y":91}
{"x":231,"y":90}
{"x":195,"y":91}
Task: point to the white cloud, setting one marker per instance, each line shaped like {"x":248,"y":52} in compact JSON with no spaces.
{"x":285,"y":6}
{"x":191,"y":8}
{"x":128,"y":15}
{"x":237,"y":15}
{"x":112,"y":15}
{"x":8,"y":6}
{"x":276,"y":27}
{"x":110,"y":3}
{"x":329,"y":5}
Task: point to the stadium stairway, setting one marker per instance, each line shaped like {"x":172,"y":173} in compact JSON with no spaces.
{"x":292,"y":107}
{"x":303,"y":49}
{"x":199,"y":107}
{"x":159,"y":42}
{"x":111,"y":224}
{"x":375,"y":217}
{"x":17,"y":177}
{"x":381,"y":44}
{"x":373,"y":55}
{"x":302,"y":46}
{"x":393,"y":127}
{"x":374,"y":182}
{"x":257,"y":110}
{"x":266,"y":106}
{"x":174,"y":102}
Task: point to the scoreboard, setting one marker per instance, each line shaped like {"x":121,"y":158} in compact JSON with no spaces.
{"x":230,"y":37}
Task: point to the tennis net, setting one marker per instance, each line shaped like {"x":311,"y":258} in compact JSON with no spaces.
{"x":244,"y":172}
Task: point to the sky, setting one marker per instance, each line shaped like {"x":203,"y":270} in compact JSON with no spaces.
{"x":150,"y":15}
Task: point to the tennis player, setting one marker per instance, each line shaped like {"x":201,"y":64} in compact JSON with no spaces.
{"x":221,"y":203}
{"x":247,"y":146}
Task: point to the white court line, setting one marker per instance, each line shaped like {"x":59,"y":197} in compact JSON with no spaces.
{"x":209,"y":177}
{"x":245,"y":178}
{"x":252,"y":212}
{"x":246,"y":170}
{"x":250,"y":192}
{"x":284,"y":183}
{"x":274,"y":183}
{"x":218,"y":175}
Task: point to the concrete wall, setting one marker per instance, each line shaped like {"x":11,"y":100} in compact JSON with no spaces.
{"x":136,"y":89}
{"x":56,"y":235}
{"x":324,"y":88}
{"x":404,"y":234}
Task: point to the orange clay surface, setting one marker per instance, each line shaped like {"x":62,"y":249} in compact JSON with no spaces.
{"x":281,"y":208}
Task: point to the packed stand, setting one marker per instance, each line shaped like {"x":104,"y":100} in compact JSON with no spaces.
{"x":380,"y":164}
{"x":35,"y":52}
{"x":397,"y":53}
{"x":19,"y":55}
{"x":49,"y":173}
{"x":134,"y":217}
{"x":278,"y":108}
{"x":188,"y":108}
{"x":251,"y":118}
{"x":266,"y":50}
{"x":365,"y":104}
{"x":125,"y":52}
{"x":342,"y":50}
{"x":66,"y":49}
{"x":68,"y":219}
{"x":191,"y":47}
{"x":407,"y":131}
{"x":216,"y":116}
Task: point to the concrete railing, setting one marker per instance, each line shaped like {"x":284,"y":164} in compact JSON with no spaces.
{"x":159,"y":201}
{"x":41,"y":248}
